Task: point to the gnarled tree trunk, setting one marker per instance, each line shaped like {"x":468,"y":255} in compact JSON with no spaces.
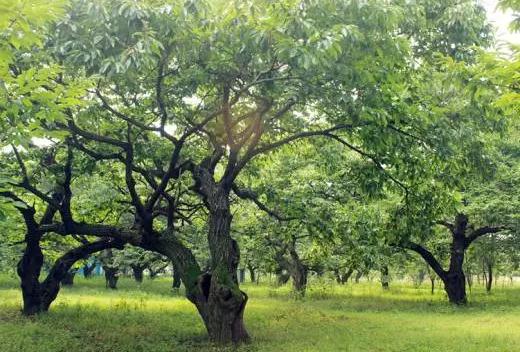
{"x":215,"y":293}
{"x":222,"y":303}
{"x":41,"y":295}
{"x":29,"y":268}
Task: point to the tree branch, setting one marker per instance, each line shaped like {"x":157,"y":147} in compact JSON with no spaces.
{"x":481,"y":232}
{"x":427,"y":256}
{"x":250,"y":195}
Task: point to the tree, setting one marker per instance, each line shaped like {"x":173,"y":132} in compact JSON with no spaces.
{"x":252,"y":88}
{"x":168,"y":109}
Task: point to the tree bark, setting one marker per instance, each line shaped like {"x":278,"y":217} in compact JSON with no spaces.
{"x":29,"y":268}
{"x":176,"y":278}
{"x":299,"y":276}
{"x":217,"y":295}
{"x":223,"y":303}
{"x":455,"y":280}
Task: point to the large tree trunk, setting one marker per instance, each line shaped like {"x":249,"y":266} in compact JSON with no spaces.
{"x":176,"y":277}
{"x":454,"y":279}
{"x":455,"y":287}
{"x":299,"y":272}
{"x":216,"y":294}
{"x":223,"y":308}
{"x":29,"y":268}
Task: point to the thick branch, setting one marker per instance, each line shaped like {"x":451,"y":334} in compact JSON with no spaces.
{"x":481,"y":232}
{"x":428,"y":257}
{"x":446,"y":224}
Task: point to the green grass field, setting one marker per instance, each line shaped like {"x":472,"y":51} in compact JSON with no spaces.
{"x":357,"y":317}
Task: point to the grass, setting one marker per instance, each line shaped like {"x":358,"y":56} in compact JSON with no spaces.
{"x":360,"y":317}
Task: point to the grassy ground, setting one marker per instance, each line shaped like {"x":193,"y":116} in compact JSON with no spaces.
{"x":358,"y":317}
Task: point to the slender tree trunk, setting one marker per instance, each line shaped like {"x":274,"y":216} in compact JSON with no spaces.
{"x":111,"y":277}
{"x":385,"y":277}
{"x":469,"y":280}
{"x":242,"y":275}
{"x":347,"y":275}
{"x":358,"y":276}
{"x":454,"y":279}
{"x":298,"y":271}
{"x":88,"y":269}
{"x":337,"y":275}
{"x":489,"y":281}
{"x":137,"y":272}
{"x":432,"y":280}
{"x":251,"y":270}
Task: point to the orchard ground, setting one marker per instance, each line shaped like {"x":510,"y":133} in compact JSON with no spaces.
{"x":355,"y":317}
